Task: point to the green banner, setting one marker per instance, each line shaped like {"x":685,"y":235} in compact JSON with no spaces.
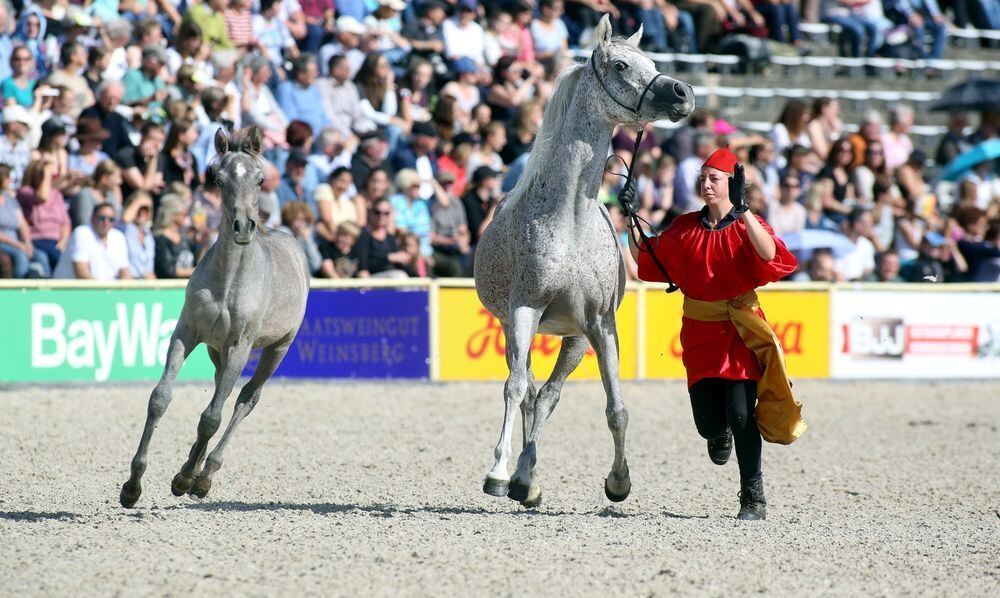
{"x":75,"y":335}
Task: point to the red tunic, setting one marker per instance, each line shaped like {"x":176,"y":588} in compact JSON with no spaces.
{"x":711,"y":265}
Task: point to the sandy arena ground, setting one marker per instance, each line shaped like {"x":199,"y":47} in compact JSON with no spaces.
{"x":375,"y":489}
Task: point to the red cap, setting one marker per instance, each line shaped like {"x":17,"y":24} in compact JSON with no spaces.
{"x":723,"y":160}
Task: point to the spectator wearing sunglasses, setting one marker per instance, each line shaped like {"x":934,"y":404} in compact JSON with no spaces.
{"x":787,"y":215}
{"x":96,"y":251}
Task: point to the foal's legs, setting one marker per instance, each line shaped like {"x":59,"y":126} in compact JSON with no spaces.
{"x":570,"y":355}
{"x":247,"y":400}
{"x":232,"y":361}
{"x":604,"y":338}
{"x":519,"y":331}
{"x":182,"y":342}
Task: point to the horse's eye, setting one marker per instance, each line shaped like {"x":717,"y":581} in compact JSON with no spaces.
{"x":621,"y":66}
{"x":260,"y":180}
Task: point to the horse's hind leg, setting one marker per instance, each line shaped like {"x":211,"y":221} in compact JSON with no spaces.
{"x":604,"y":338}
{"x":232,"y":361}
{"x":247,"y":400}
{"x":182,"y":342}
{"x":522,"y":487}
{"x":521,"y":329}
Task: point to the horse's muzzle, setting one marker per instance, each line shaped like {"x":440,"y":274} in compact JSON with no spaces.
{"x":673,"y":98}
{"x":244,"y":230}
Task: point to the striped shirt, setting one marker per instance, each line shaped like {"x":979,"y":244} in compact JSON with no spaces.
{"x":239,"y":26}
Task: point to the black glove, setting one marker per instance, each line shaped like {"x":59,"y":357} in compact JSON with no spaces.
{"x":626,"y":197}
{"x":738,"y":190}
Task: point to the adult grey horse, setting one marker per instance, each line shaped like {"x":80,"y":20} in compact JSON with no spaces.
{"x":550,"y":263}
{"x":248,"y":292}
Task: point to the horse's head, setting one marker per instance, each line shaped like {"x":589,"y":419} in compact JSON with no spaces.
{"x":238,"y":174}
{"x":638,"y":92}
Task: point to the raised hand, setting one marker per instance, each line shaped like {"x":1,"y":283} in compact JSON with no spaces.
{"x":738,"y":190}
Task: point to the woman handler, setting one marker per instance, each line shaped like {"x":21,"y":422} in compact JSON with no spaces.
{"x":735,"y":368}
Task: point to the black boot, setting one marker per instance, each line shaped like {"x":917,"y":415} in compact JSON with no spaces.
{"x":752,"y":503}
{"x":720,"y":448}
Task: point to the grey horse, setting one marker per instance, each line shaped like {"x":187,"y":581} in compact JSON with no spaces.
{"x":248,"y":292}
{"x":550,"y":263}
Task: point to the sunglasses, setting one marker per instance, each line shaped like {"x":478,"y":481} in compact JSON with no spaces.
{"x":104,"y":218}
{"x":382,"y":212}
{"x":791,"y":185}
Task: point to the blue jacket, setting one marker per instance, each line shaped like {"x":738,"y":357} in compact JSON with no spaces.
{"x":303,"y":103}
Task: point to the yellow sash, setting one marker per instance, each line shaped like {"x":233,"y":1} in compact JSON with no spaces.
{"x":779,"y":415}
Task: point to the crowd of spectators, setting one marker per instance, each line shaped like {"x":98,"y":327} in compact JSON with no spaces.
{"x":392,"y":129}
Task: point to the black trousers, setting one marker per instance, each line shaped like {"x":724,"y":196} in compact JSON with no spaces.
{"x":716,"y":402}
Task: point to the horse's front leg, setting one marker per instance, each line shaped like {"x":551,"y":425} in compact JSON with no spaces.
{"x":182,"y":342}
{"x":519,"y":331}
{"x":604,"y":338}
{"x":523,"y":488}
{"x":232,"y":361}
{"x":245,"y":403}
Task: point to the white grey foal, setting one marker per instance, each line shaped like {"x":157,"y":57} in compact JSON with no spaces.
{"x":249,"y":291}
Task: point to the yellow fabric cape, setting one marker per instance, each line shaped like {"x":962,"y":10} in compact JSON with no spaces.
{"x":779,"y":415}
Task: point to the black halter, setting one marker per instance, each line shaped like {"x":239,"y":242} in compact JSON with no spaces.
{"x":593,"y":67}
{"x":638,"y":237}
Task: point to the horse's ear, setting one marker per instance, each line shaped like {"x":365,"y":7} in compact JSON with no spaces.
{"x":635,"y":38}
{"x":221,"y":142}
{"x":254,"y":140}
{"x":603,"y":32}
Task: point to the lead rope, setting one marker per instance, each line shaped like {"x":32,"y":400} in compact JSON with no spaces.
{"x":635,"y":220}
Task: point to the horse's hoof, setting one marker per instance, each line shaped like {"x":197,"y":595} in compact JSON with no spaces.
{"x":180,"y":485}
{"x":495,"y":487}
{"x":518,"y":491}
{"x":130,"y":494}
{"x":614,"y":496}
{"x":200,"y":488}
{"x":534,"y":497}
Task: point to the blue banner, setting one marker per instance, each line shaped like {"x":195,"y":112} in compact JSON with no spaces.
{"x":359,"y":333}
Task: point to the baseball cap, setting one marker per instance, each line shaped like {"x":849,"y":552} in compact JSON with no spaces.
{"x":16,"y":114}
{"x":424,"y":128}
{"x":470,"y":5}
{"x":53,"y":127}
{"x":349,"y":24}
{"x":465,"y":65}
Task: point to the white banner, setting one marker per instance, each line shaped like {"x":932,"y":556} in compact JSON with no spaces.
{"x":907,"y":334}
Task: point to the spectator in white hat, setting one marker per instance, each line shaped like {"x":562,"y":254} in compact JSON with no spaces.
{"x":14,"y":146}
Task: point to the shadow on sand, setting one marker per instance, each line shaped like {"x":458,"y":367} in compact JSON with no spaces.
{"x":378,"y":510}
{"x":386,"y":510}
{"x":32,"y":517}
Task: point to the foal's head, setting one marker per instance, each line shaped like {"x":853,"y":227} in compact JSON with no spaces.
{"x":238,"y":174}
{"x":638,"y":93}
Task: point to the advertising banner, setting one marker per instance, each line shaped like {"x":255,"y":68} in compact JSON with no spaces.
{"x":901,"y":334}
{"x":799,"y":318}
{"x":359,"y":333}
{"x":473,"y":344}
{"x":93,"y":335}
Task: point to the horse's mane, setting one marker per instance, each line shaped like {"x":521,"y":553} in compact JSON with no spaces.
{"x":543,"y":149}
{"x":242,"y":141}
